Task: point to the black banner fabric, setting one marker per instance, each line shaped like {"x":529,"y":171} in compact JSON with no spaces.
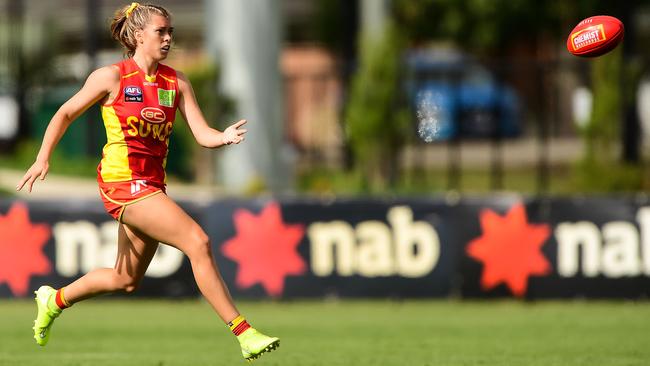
{"x":498,"y":246}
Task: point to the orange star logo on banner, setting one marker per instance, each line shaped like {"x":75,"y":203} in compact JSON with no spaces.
{"x":21,"y":249}
{"x":510,"y":249}
{"x":265,"y":249}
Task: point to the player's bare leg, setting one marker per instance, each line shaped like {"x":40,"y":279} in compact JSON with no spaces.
{"x":173,"y":226}
{"x":135,"y":251}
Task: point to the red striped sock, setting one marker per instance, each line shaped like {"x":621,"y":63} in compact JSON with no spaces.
{"x":238,"y":325}
{"x":60,"y":300}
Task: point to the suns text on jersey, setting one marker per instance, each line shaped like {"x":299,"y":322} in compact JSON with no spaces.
{"x":139,"y":127}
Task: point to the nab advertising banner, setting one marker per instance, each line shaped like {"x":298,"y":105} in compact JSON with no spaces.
{"x":347,"y":248}
{"x":56,"y":242}
{"x":482,"y":247}
{"x":597,"y":248}
{"x":556,"y":248}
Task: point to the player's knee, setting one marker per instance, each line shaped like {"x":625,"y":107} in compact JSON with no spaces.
{"x":130,"y":284}
{"x":127,"y":284}
{"x":200,"y":243}
{"x":131,"y":288}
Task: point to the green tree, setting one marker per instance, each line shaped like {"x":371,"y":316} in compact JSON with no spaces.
{"x":600,"y":170}
{"x":488,"y":26}
{"x":375,"y":124}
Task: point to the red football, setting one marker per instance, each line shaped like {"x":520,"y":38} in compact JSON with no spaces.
{"x":595,"y":36}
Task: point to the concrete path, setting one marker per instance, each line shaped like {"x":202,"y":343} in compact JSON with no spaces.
{"x":56,"y":187}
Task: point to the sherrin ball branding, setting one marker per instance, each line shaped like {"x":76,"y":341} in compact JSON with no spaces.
{"x":589,"y":36}
{"x":595,"y":36}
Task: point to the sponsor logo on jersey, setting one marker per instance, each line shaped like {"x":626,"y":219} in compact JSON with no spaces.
{"x":153,"y":115}
{"x":166,"y":97}
{"x":132,"y":94}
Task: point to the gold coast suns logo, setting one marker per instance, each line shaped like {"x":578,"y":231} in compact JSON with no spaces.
{"x":152,"y":123}
{"x":153,"y":115}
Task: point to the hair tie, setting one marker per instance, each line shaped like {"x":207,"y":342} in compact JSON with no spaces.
{"x":131,"y":8}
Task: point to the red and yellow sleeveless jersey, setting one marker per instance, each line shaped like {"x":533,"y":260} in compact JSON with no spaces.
{"x":138,"y":125}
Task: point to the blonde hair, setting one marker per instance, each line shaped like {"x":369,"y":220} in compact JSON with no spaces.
{"x":130,"y":18}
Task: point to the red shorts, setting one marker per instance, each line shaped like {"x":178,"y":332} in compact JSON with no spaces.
{"x":118,"y":195}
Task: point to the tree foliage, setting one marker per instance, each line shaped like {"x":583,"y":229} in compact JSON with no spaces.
{"x":375,"y":124}
{"x":492,"y":25}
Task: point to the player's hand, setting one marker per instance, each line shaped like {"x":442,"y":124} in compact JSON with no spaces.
{"x":233,"y":134}
{"x":37,"y":170}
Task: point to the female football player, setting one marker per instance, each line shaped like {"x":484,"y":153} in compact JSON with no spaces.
{"x":139,"y":98}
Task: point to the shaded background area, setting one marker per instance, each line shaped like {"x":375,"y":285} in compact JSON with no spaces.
{"x":357,"y":97}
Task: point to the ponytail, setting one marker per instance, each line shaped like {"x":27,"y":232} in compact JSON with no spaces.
{"x":130,"y":18}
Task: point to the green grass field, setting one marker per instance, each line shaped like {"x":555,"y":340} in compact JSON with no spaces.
{"x":112,"y":332}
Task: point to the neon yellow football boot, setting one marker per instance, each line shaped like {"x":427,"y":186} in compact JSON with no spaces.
{"x":46,"y":314}
{"x":254,"y":344}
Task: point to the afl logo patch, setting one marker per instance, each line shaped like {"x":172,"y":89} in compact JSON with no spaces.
{"x":153,"y":115}
{"x":132,"y":94}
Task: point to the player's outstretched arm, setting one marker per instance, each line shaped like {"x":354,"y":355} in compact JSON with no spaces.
{"x":98,"y":85}
{"x":205,"y":135}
